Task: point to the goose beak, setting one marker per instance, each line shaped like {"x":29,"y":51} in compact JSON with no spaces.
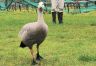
{"x":40,"y":9}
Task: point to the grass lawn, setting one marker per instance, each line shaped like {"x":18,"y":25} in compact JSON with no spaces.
{"x":70,"y":44}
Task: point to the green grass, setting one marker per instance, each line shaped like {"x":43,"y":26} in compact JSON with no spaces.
{"x":70,"y":44}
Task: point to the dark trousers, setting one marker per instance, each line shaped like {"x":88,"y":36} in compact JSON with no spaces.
{"x":54,"y":17}
{"x":60,"y":17}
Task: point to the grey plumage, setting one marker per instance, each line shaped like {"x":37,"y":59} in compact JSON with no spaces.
{"x":35,"y":32}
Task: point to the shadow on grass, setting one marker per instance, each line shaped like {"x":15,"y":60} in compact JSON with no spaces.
{"x":46,"y":62}
{"x":40,"y":63}
{"x":93,"y":24}
{"x":87,"y":58}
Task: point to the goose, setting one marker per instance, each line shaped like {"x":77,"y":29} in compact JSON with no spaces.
{"x":34,"y":33}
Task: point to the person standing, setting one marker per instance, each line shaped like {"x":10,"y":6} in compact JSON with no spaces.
{"x":57,"y":8}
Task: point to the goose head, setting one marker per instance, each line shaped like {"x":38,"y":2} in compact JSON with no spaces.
{"x":40,"y":7}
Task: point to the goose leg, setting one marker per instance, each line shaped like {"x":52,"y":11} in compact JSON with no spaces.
{"x":38,"y":55}
{"x":33,"y":57}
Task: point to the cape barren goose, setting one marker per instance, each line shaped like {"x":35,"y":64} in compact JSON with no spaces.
{"x":34,"y":33}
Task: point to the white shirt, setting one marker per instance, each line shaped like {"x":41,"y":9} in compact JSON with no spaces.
{"x":57,"y":5}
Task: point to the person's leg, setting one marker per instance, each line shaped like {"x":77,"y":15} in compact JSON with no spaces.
{"x":54,"y":17}
{"x":95,"y":2}
{"x":60,"y":17}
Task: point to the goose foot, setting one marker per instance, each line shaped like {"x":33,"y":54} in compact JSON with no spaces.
{"x":34,"y":62}
{"x":39,"y":57}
